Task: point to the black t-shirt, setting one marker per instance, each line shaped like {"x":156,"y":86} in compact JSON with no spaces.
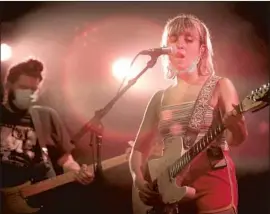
{"x":20,"y":152}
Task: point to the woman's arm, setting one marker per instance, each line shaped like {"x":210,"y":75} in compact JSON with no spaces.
{"x":236,"y":132}
{"x":143,"y":141}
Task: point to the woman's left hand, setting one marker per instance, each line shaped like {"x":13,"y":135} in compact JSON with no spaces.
{"x":232,"y":119}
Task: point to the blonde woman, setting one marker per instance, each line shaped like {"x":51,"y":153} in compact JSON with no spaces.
{"x":169,"y":112}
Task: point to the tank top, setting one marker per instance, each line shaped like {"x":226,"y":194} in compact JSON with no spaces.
{"x":174,"y":121}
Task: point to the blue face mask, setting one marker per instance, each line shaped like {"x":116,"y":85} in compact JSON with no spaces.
{"x":193,"y":65}
{"x":23,"y":98}
{"x":189,"y":70}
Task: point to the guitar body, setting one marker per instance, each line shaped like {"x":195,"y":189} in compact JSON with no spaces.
{"x":14,"y":202}
{"x":156,"y":172}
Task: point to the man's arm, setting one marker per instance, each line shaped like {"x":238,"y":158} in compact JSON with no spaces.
{"x":63,"y":144}
{"x":65,"y":147}
{"x":68,"y":163}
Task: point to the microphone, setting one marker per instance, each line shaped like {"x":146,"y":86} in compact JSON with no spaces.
{"x":159,"y":51}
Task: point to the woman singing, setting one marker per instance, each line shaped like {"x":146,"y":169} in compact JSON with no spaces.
{"x":169,"y":111}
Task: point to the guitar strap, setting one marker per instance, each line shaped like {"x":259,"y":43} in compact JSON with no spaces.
{"x":41,"y":139}
{"x":199,"y":109}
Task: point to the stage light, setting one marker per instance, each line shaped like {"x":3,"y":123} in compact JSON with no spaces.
{"x":6,"y":52}
{"x":121,"y":69}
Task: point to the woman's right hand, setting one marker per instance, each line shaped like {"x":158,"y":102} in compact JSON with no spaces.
{"x":147,"y":193}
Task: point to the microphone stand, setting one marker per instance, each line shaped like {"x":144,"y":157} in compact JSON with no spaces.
{"x":94,"y":125}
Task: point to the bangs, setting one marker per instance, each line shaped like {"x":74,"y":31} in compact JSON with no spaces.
{"x":188,"y":25}
{"x":183,"y":25}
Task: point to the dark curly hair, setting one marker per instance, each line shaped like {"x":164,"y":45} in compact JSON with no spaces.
{"x":31,"y":67}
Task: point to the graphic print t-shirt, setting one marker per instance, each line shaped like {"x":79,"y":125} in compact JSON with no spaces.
{"x":20,"y":152}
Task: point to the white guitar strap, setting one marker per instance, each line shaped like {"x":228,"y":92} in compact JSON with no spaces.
{"x":199,"y":109}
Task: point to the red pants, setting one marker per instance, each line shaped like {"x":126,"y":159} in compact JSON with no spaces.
{"x":216,"y":189}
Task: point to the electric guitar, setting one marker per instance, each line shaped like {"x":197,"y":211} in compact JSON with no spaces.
{"x":162,"y":172}
{"x":15,"y":198}
{"x":156,"y":152}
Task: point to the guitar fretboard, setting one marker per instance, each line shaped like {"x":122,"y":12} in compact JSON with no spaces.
{"x":198,"y":147}
{"x":68,"y":177}
{"x":48,"y":184}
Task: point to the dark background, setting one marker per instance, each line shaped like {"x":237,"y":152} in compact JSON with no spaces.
{"x":104,"y":197}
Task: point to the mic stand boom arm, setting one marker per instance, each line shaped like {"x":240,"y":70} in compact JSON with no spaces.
{"x":94,"y":125}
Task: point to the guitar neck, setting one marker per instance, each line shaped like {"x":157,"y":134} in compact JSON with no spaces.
{"x":48,"y":184}
{"x":257,"y":100}
{"x":68,"y":177}
{"x":113,"y":162}
{"x":196,"y":149}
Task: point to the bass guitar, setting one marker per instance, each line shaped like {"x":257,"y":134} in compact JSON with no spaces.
{"x":15,"y":198}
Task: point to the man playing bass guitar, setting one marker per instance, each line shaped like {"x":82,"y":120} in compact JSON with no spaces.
{"x":28,"y":131}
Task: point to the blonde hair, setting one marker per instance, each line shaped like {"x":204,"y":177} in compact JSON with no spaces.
{"x":178,"y":25}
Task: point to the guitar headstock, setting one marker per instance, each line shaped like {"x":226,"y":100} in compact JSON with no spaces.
{"x":257,"y":99}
